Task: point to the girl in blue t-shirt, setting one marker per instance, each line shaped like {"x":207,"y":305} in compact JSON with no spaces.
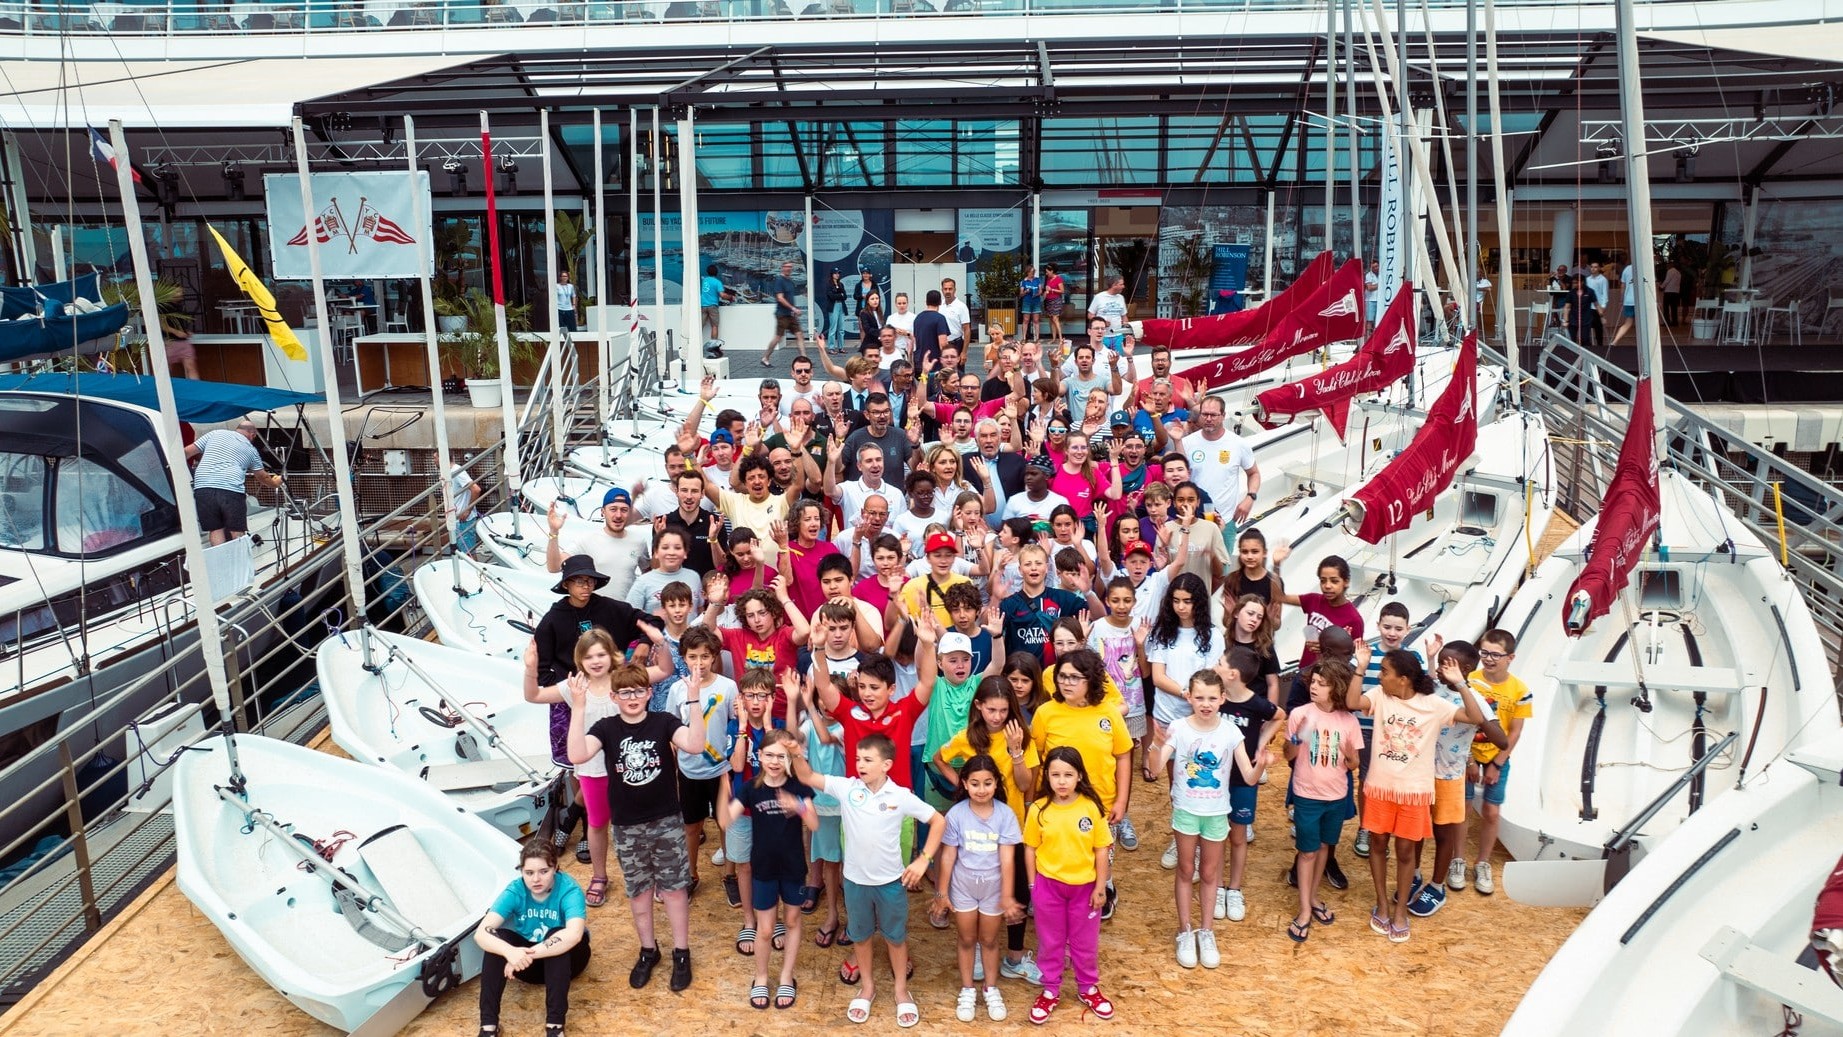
{"x":536,"y":931}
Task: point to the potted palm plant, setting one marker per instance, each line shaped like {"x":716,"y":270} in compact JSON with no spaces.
{"x":473,"y":352}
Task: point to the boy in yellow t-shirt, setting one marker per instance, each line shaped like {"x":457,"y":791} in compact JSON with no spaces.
{"x":1510,"y":698}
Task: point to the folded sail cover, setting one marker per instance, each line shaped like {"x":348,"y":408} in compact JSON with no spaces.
{"x":52,"y":318}
{"x":1628,"y":521}
{"x":1387,"y":356}
{"x":1246,"y":328}
{"x":1410,"y":482}
{"x":1332,"y":313}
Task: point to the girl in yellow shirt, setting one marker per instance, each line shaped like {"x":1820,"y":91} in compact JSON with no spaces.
{"x":1066,"y":841}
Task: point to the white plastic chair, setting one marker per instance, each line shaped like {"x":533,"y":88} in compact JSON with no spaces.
{"x":1734,"y":320}
{"x":1533,"y":325}
{"x":1794,"y":328}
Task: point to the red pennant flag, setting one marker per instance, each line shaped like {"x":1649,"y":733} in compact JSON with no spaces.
{"x":1387,"y":356}
{"x":1333,"y":313}
{"x":1629,"y":515}
{"x":1410,"y":482}
{"x":1246,"y":328}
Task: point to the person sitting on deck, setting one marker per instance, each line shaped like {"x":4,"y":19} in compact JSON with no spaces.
{"x":537,"y":932}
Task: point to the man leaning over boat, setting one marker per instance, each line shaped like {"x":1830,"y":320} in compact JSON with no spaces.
{"x":225,"y":460}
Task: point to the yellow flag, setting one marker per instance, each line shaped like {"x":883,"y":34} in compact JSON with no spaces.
{"x":253,"y":287}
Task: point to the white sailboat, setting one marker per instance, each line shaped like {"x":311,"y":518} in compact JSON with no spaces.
{"x":353,"y":892}
{"x":442,"y":715}
{"x":486,"y":609}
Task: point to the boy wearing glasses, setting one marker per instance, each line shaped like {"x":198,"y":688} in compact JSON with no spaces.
{"x":1510,"y":698}
{"x":638,"y":746}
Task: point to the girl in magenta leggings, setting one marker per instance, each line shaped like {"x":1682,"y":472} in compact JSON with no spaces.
{"x":1066,"y":841}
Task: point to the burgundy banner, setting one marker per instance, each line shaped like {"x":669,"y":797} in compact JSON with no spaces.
{"x":1333,"y":313}
{"x":1628,"y":519}
{"x":1246,"y":328}
{"x":1387,"y":356}
{"x":1408,"y":485}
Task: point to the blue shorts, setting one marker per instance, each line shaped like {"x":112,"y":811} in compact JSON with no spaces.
{"x":1494,"y":794}
{"x":1317,"y":822}
{"x":739,"y":840}
{"x":1241,"y":804}
{"x":828,"y":841}
{"x":1030,"y":306}
{"x":871,"y":910}
{"x":764,"y":894}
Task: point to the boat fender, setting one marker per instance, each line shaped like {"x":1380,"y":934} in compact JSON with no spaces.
{"x":441,"y":971}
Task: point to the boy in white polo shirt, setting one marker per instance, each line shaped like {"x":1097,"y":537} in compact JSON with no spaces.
{"x":872,"y":809}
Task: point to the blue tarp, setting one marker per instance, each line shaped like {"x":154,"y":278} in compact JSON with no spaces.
{"x":203,"y":402}
{"x":35,"y":321}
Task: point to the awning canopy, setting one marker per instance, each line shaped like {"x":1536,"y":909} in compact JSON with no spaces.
{"x":258,"y":92}
{"x":1805,"y":41}
{"x":203,"y":402}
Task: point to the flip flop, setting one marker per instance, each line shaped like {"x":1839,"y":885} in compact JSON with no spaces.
{"x":747,"y":935}
{"x":779,"y":940}
{"x":858,"y":1011}
{"x":786,"y":994}
{"x":907,"y":1015}
{"x":1322,"y":914}
{"x":938,"y":919}
{"x":1379,"y":922}
{"x":597,"y":893}
{"x":758,"y":997}
{"x":1298,"y":933}
{"x":849,"y":974}
{"x":844,"y":937}
{"x":809,"y":899}
{"x":825,"y":937}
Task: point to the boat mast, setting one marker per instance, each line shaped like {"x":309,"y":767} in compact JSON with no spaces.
{"x":1638,"y":216}
{"x":1506,"y":291}
{"x":210,"y":634}
{"x":431,"y":334}
{"x":1469,"y":266}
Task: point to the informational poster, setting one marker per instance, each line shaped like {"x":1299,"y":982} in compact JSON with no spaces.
{"x":363,"y":224}
{"x":1392,"y":215}
{"x":1229,"y":272}
{"x":985,"y":231}
{"x":748,"y":247}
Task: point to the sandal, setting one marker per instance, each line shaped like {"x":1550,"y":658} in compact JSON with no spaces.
{"x":809,"y":899}
{"x":747,"y":935}
{"x":907,"y":1015}
{"x":1151,"y":778}
{"x":825,"y":937}
{"x":858,"y":1011}
{"x":938,"y":919}
{"x":844,"y":937}
{"x":597,"y":893}
{"x":1378,"y":922}
{"x":779,"y":940}
{"x":786,"y":994}
{"x":1298,"y":932}
{"x":849,"y":975}
{"x":1322,"y":914}
{"x":758,"y":997}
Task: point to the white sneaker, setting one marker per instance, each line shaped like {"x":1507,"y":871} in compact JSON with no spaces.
{"x":1169,"y":860}
{"x":1455,"y":874}
{"x":1222,"y":903}
{"x":1250,"y":833}
{"x":969,"y":998}
{"x":1207,"y":956}
{"x":718,"y":858}
{"x":1236,"y":904}
{"x":994,"y":1004}
{"x":1187,"y":948}
{"x":1481,"y":879}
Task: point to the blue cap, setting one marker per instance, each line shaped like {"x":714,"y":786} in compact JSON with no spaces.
{"x":722,"y":435}
{"x":617,"y":494}
{"x":1120,"y":417}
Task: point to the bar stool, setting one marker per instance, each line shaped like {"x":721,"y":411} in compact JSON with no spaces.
{"x":1531,"y":325}
{"x":1790,"y":312}
{"x":1734,"y":320}
{"x":1833,"y":309}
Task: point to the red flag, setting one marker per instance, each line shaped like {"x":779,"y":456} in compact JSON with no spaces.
{"x":1333,"y":313}
{"x":325,"y":225}
{"x":1628,"y":520}
{"x":379,"y":227}
{"x":1387,"y":356}
{"x":1410,"y":482}
{"x":1247,"y":328}
{"x":492,"y":214}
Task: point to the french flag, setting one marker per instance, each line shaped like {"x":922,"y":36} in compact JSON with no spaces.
{"x":103,"y":153}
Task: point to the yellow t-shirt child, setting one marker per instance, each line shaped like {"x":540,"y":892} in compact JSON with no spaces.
{"x":1065,"y":837}
{"x":1511,"y":699}
{"x":959,"y":749}
{"x":1098,"y":733}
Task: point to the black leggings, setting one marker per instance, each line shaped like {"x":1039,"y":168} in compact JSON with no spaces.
{"x":555,"y":973}
{"x":1020,"y":890}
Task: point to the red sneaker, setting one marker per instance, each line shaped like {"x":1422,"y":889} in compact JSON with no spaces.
{"x":1096,"y":1002}
{"x":1046,"y":1003}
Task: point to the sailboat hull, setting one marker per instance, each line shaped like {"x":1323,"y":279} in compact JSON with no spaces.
{"x":475,"y":607}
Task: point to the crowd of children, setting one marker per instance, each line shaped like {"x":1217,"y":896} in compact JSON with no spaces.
{"x":960,"y":715}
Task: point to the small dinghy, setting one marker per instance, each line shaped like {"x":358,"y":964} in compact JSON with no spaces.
{"x":518,"y":539}
{"x":1708,"y":935}
{"x":458,"y":722}
{"x":353,"y":893}
{"x":1679,"y":629}
{"x":1456,"y":565}
{"x":485,"y":609}
{"x":580,"y":496}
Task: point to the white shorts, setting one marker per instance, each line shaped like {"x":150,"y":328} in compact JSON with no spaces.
{"x":972,"y":891}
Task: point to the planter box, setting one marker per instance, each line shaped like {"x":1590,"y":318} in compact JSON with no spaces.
{"x":1704,"y":329}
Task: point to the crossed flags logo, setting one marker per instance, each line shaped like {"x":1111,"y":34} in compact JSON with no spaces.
{"x":370,"y":225}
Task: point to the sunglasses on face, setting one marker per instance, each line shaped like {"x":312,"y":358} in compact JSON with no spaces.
{"x":1058,"y":430}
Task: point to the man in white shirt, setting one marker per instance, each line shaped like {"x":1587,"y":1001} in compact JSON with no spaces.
{"x":466,"y":494}
{"x":851,"y":495}
{"x":1372,"y":291}
{"x":903,"y":320}
{"x":803,"y":387}
{"x":1602,"y":292}
{"x":1628,"y":303}
{"x":618,"y":551}
{"x":1110,"y":305}
{"x":873,"y":522}
{"x":1222,"y":464}
{"x":959,"y":318}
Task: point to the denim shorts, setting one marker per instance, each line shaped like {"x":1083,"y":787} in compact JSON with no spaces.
{"x":1241,"y":804}
{"x":764,"y":894}
{"x":872,"y":910}
{"x":828,"y":841}
{"x":738,"y":840}
{"x":1494,"y":794}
